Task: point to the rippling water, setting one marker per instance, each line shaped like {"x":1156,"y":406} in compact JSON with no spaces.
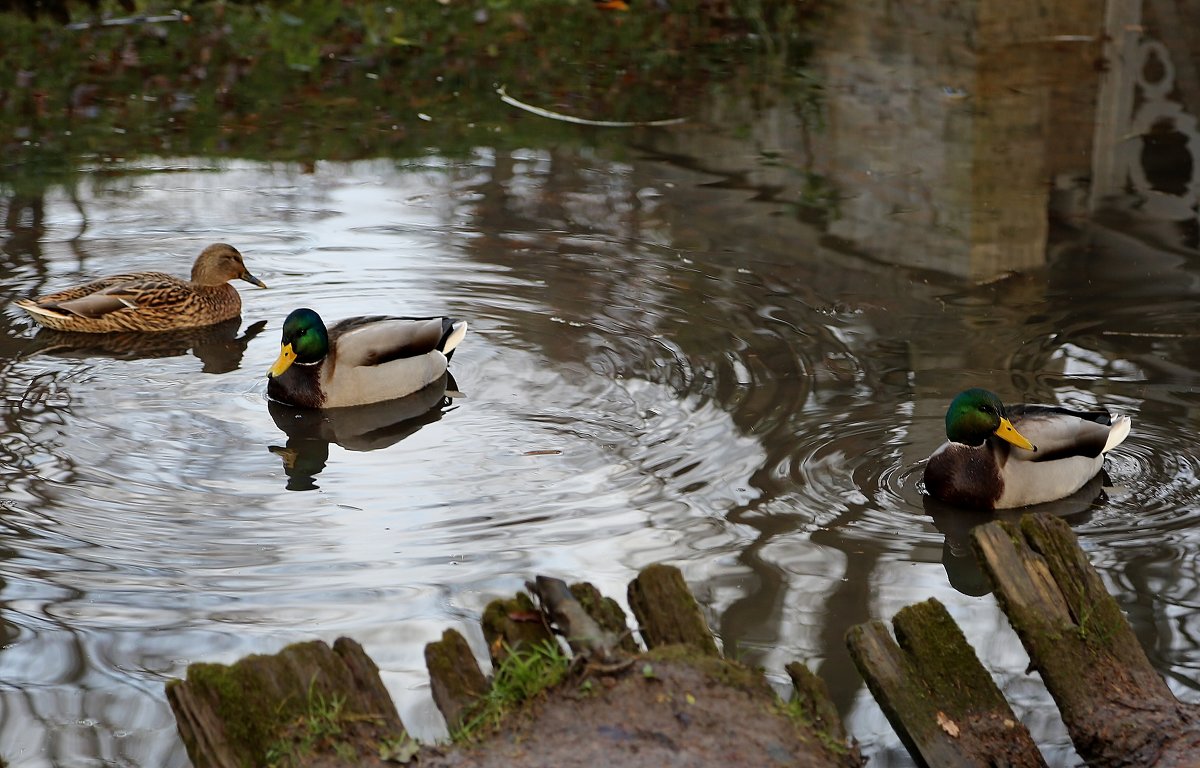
{"x":658,"y":369}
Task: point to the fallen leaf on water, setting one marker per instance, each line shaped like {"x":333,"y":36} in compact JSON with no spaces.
{"x":543,"y":452}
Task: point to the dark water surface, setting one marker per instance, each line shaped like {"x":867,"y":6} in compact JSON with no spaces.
{"x":728,"y":347}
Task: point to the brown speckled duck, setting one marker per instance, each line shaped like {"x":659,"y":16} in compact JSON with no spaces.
{"x":360,"y":360}
{"x":998,"y":458}
{"x":149,"y":301}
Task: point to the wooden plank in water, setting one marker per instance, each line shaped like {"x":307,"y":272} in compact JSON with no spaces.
{"x":1117,"y":709}
{"x":936,"y":694}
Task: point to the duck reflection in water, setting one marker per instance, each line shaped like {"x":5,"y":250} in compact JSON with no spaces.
{"x":219,"y":347}
{"x":956,"y":523}
{"x":355,"y":428}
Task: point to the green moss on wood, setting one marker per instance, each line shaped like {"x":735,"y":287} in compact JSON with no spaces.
{"x":924,"y":689}
{"x":606,"y":612}
{"x":808,"y":730}
{"x":250,"y":707}
{"x":1088,"y":656}
{"x":810,"y":701}
{"x":455,"y":679}
{"x":252,"y":721}
{"x":945,"y":661}
{"x":512,"y":624}
{"x":666,"y":611}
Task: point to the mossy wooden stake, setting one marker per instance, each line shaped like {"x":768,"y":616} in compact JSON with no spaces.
{"x":1117,"y":709}
{"x":607,"y":613}
{"x":939,"y":698}
{"x":812,"y":696}
{"x":454,"y":677}
{"x":666,"y":612}
{"x":509,"y":625}
{"x":234,"y":715}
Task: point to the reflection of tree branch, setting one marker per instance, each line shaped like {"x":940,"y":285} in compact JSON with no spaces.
{"x":83,"y":219}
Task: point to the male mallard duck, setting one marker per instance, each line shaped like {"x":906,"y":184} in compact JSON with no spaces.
{"x":149,"y":301}
{"x":989,"y":464}
{"x":360,"y":359}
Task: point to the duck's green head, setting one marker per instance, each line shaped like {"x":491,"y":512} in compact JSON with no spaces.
{"x":975,"y":415}
{"x":305,"y":341}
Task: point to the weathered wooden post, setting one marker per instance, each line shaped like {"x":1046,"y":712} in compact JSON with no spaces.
{"x":936,"y":694}
{"x":811,"y":696}
{"x":512,"y":625}
{"x":1117,"y":709}
{"x":607,"y":613}
{"x":454,"y":677}
{"x":233,"y":716}
{"x":666,"y":611}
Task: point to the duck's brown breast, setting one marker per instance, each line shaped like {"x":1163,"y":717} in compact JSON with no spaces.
{"x":964,"y":476}
{"x":215,"y":303}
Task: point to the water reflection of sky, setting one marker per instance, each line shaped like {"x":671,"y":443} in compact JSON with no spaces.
{"x":624,"y":404}
{"x":659,"y":368}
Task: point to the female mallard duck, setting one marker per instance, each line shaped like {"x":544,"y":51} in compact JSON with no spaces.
{"x":149,"y":301}
{"x":360,"y":359}
{"x":989,"y":464}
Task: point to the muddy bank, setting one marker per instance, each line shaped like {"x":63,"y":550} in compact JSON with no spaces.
{"x":674,"y":707}
{"x":676,"y":703}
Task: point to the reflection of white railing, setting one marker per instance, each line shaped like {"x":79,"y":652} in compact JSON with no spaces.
{"x":1135,"y":102}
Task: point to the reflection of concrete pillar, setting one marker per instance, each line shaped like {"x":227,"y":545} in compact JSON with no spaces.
{"x":947,"y":123}
{"x":1112,"y":149}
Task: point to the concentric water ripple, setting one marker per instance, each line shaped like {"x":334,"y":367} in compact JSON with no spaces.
{"x":639,"y":384}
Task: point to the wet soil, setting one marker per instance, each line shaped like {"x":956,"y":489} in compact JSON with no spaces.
{"x":694,"y":713}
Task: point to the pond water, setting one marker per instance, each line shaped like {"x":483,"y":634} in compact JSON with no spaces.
{"x":727,"y":346}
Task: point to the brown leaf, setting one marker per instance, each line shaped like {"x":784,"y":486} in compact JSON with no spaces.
{"x":947,"y":724}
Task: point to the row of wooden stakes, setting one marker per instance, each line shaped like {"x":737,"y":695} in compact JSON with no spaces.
{"x":927,"y":679}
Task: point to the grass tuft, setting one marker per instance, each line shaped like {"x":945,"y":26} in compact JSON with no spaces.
{"x":523,"y":674}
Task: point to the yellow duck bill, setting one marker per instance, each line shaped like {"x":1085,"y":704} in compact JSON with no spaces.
{"x":1006,"y":431}
{"x":287,"y":356}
